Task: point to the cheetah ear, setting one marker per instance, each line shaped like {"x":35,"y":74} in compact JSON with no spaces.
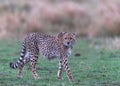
{"x":74,"y":34}
{"x":61,"y":34}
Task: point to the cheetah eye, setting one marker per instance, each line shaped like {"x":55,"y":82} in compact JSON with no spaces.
{"x":65,"y":38}
{"x":71,"y":38}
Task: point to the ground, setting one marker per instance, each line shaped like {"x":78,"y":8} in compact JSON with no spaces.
{"x":90,"y":65}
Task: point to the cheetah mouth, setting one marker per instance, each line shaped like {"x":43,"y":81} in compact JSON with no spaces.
{"x":67,"y":46}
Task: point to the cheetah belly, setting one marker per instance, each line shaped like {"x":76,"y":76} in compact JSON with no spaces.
{"x":51,"y":54}
{"x":49,"y":49}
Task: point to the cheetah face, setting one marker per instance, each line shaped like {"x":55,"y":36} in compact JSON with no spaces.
{"x":68,"y":39}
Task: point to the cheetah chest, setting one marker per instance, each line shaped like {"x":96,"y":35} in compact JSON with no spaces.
{"x":69,"y":52}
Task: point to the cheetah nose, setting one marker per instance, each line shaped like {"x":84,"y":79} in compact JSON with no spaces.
{"x":68,"y":43}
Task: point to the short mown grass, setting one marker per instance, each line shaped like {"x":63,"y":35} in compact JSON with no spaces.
{"x":90,"y":67}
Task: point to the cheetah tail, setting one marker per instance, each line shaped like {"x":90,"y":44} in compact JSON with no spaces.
{"x":20,"y":61}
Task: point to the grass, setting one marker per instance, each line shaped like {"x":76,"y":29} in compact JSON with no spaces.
{"x":94,"y":67}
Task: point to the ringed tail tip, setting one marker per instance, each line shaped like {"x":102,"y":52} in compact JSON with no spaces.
{"x":12,"y":65}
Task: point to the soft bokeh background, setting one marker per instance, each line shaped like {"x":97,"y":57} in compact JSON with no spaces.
{"x":95,"y":59}
{"x":89,"y":18}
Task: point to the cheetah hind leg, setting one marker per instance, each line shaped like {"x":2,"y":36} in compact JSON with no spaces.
{"x":20,"y":72}
{"x":26,"y":60}
{"x":33,"y":61}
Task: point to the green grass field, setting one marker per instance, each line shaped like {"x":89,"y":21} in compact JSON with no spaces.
{"x":94,"y":67}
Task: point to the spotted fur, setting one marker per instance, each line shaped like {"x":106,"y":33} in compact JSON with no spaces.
{"x":50,"y":47}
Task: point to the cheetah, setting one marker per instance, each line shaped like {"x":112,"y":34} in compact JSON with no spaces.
{"x":50,"y":47}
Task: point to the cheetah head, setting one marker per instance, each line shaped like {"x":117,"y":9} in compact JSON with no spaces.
{"x":67,"y":39}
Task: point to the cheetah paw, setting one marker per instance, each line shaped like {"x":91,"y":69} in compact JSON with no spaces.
{"x":60,"y":78}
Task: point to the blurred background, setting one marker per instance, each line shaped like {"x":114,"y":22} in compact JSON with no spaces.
{"x":88,"y":18}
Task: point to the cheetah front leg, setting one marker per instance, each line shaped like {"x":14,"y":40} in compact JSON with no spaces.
{"x":67,"y":69}
{"x":60,"y":70}
{"x":33,"y":61}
